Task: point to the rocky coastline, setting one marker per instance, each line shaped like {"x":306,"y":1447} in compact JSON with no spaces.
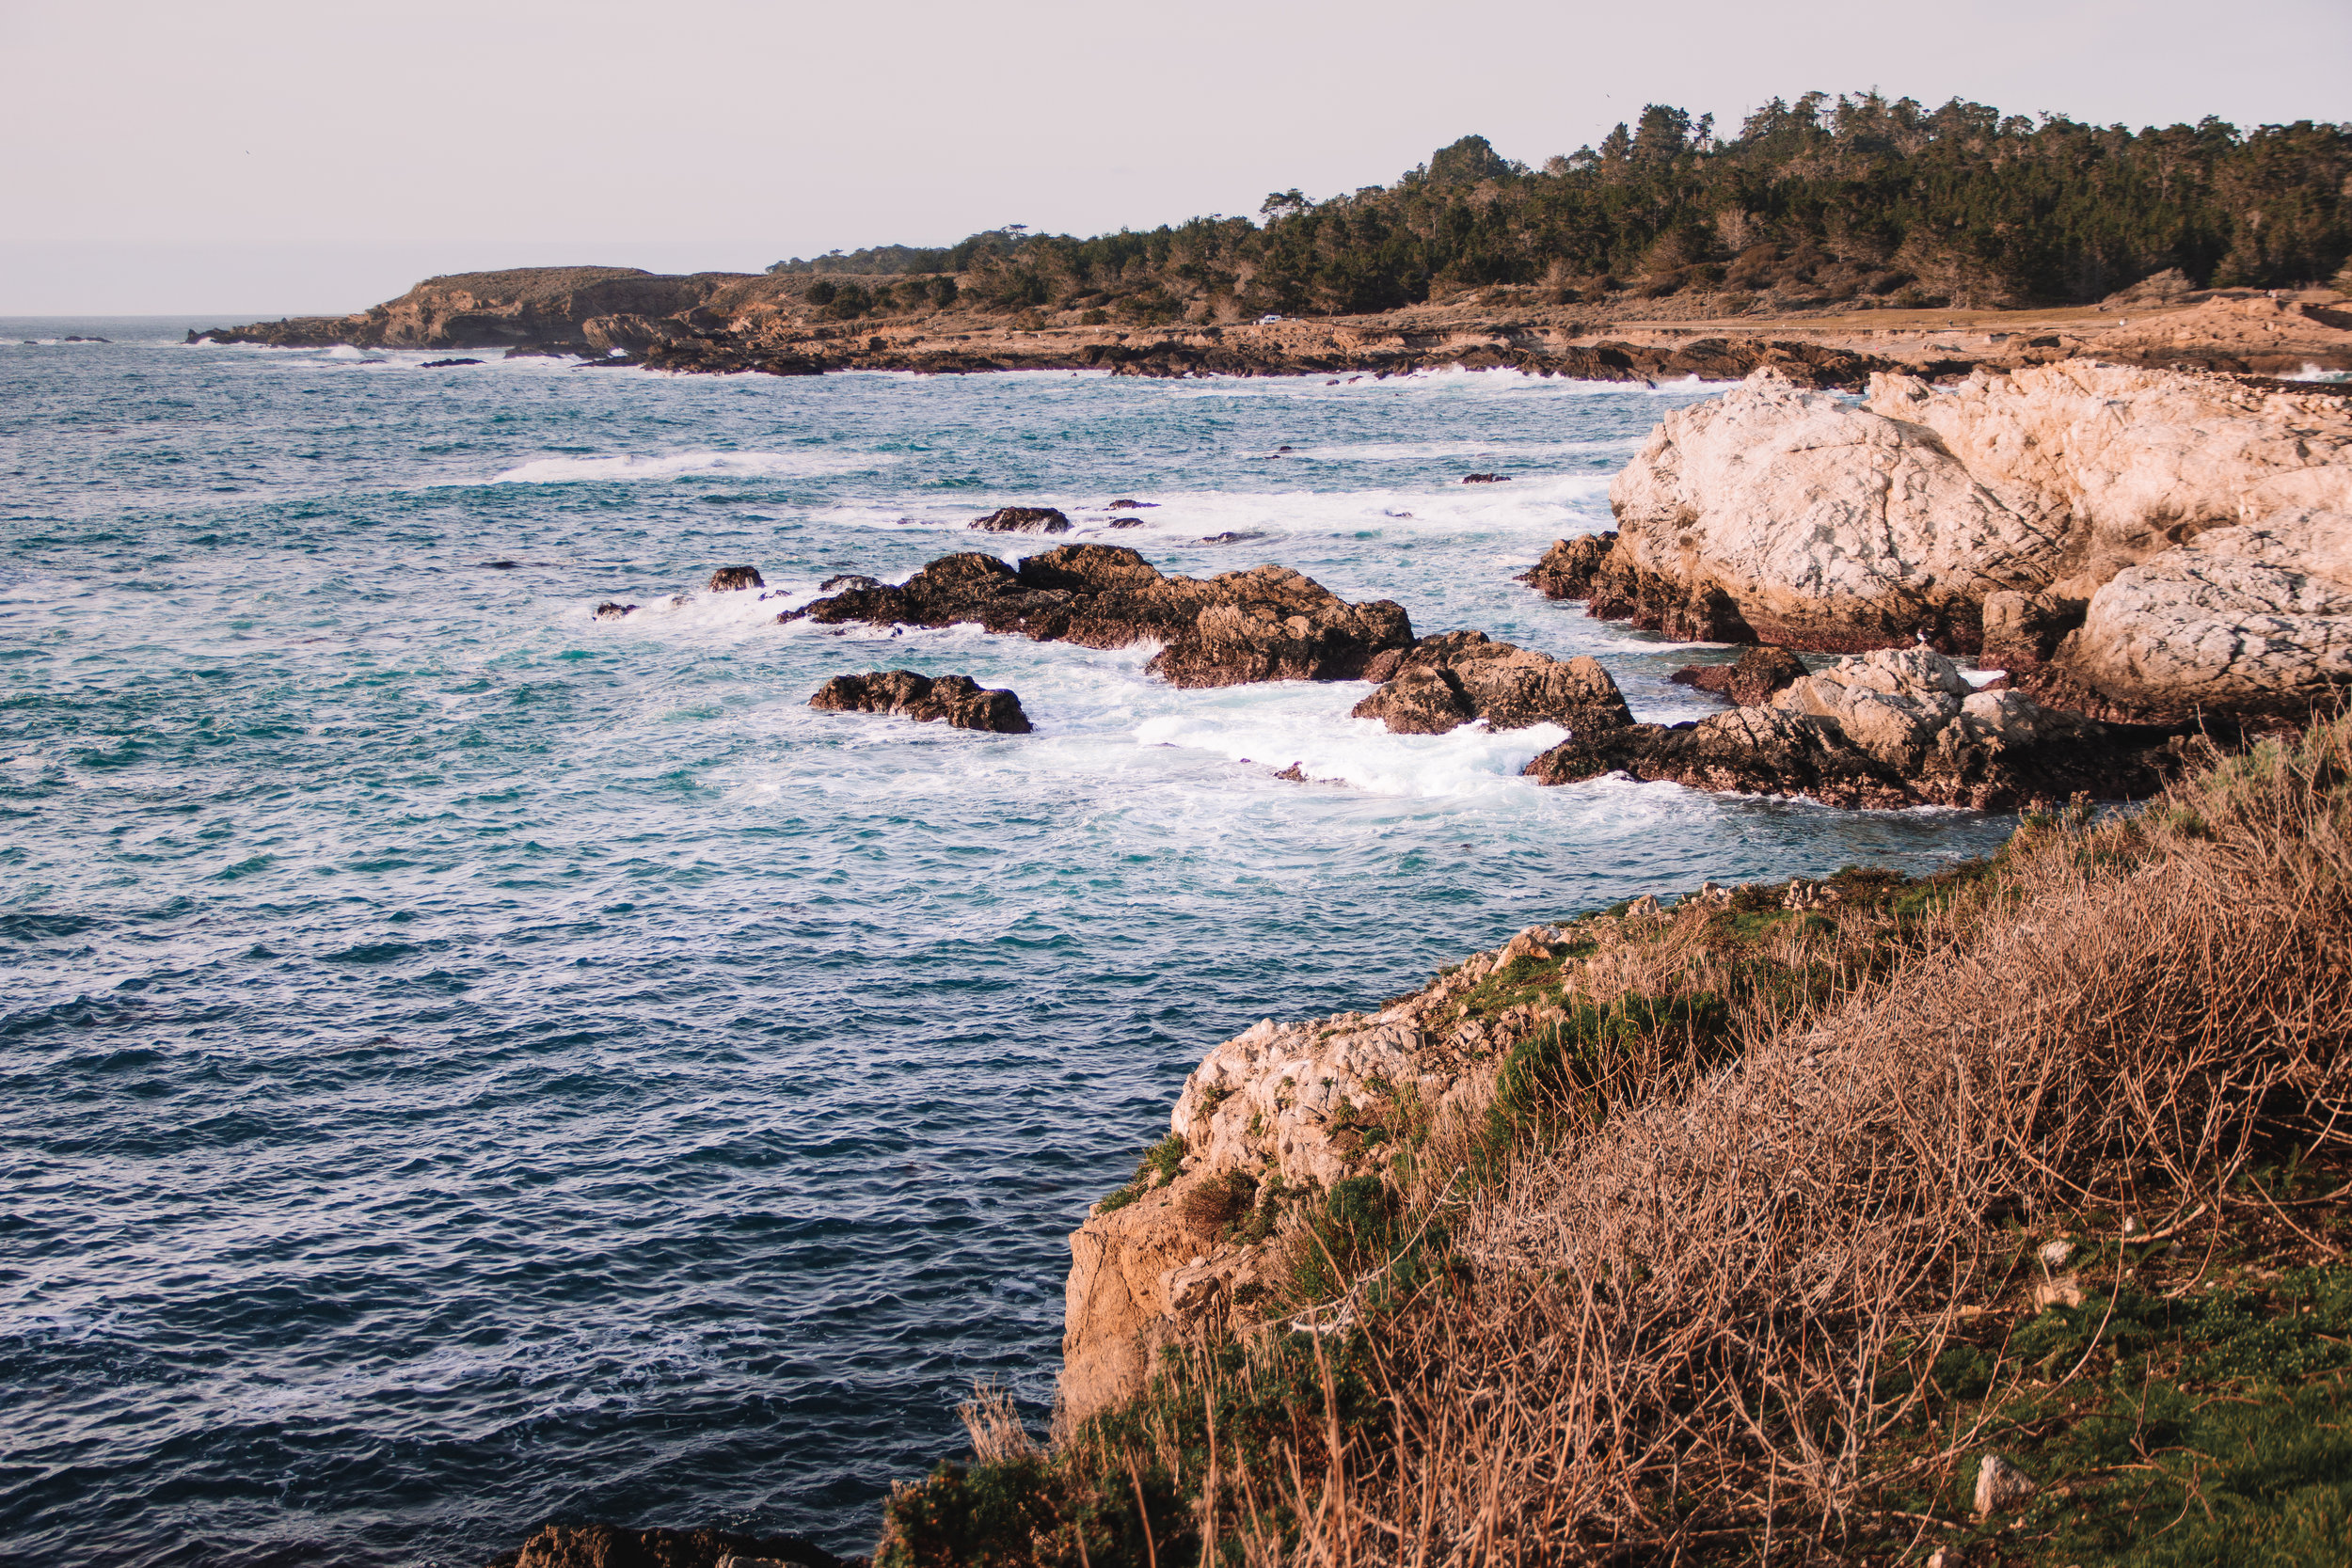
{"x":2158,"y":564}
{"x":766,"y":324}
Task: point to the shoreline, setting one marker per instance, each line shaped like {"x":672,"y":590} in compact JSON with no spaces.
{"x":723,"y":323}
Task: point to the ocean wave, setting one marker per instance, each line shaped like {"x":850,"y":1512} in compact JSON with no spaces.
{"x":621,"y":468}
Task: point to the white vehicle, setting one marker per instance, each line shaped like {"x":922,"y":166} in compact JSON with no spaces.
{"x":1268,"y":320}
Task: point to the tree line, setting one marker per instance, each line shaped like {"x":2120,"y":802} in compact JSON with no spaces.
{"x":1856,"y":199}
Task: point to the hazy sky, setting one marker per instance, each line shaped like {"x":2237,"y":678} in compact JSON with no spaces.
{"x":250,"y":157}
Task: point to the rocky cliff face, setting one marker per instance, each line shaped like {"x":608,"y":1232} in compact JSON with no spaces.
{"x":1271,"y":1120}
{"x":1998,"y":516}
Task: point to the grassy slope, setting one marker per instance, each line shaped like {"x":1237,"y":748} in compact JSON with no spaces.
{"x":1747,"y":1260}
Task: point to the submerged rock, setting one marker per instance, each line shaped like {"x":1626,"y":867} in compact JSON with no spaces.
{"x":609,"y":610}
{"x":1268,"y":623}
{"x":729,"y":579}
{"x":1024,"y":519}
{"x":957,"y":699}
{"x":1442,"y":682}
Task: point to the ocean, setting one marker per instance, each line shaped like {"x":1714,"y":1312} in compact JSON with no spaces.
{"x":464,"y":1063}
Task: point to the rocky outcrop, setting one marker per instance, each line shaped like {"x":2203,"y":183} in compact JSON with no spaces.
{"x":963,"y":702}
{"x":730,"y":579}
{"x":1274,"y":1118}
{"x":1024,"y":519}
{"x":1892,"y":728}
{"x":618,"y":1547}
{"x":613,"y":610}
{"x":1822,"y":526}
{"x":2133,"y":462}
{"x":1757,"y":675}
{"x":1984,"y":519}
{"x":1569,"y":569}
{"x":1265,"y":623}
{"x":2254,"y":620}
{"x":1442,"y":682}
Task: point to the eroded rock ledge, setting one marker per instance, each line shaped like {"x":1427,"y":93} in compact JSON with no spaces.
{"x":963,"y":702}
{"x":2162,"y":544}
{"x":1893,"y":728}
{"x":1268,"y":623}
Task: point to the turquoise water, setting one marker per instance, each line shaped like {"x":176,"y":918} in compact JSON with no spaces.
{"x":463,"y":1063}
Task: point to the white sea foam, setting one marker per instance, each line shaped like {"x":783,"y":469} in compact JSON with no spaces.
{"x":1472,"y":760}
{"x":684,"y":465}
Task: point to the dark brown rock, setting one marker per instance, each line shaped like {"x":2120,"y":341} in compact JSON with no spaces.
{"x":1568,"y":568}
{"x":612,"y":612}
{"x":1485,"y":479}
{"x":1129,"y":505}
{"x":1442,"y":682}
{"x":1749,"y":683}
{"x":1885,"y":730}
{"x":847,"y":579}
{"x":617,"y":1546}
{"x":728,"y":579}
{"x":1023,"y":520}
{"x":1268,"y":623}
{"x":957,"y":699}
{"x":2023,"y":630}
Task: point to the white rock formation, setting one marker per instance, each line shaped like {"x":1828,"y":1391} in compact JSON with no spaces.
{"x":1832,"y":526}
{"x":2244,"y":619}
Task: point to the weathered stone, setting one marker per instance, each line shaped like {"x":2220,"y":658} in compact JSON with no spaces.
{"x":2000,"y":1483}
{"x":1445,"y":681}
{"x":847,"y":580}
{"x":1749,"y":682}
{"x":609,"y":610}
{"x":1825,"y":526}
{"x":729,"y":579}
{"x":1279,"y":1101}
{"x":957,"y":699}
{"x":1896,"y":727}
{"x":1024,"y":519}
{"x":2023,"y":630}
{"x":1268,"y":623}
{"x":1984,"y":518}
{"x":1568,"y":568}
{"x":2255,"y":619}
{"x":2133,"y":462}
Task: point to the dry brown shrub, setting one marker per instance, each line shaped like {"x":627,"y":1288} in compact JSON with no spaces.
{"x":994,"y":1425}
{"x":1664,"y":1333}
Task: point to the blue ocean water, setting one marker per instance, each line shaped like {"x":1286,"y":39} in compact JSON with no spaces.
{"x":463,"y":1063}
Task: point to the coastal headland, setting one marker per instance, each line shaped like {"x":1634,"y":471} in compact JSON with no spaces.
{"x":719,"y":322}
{"x":1608,"y":1234}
